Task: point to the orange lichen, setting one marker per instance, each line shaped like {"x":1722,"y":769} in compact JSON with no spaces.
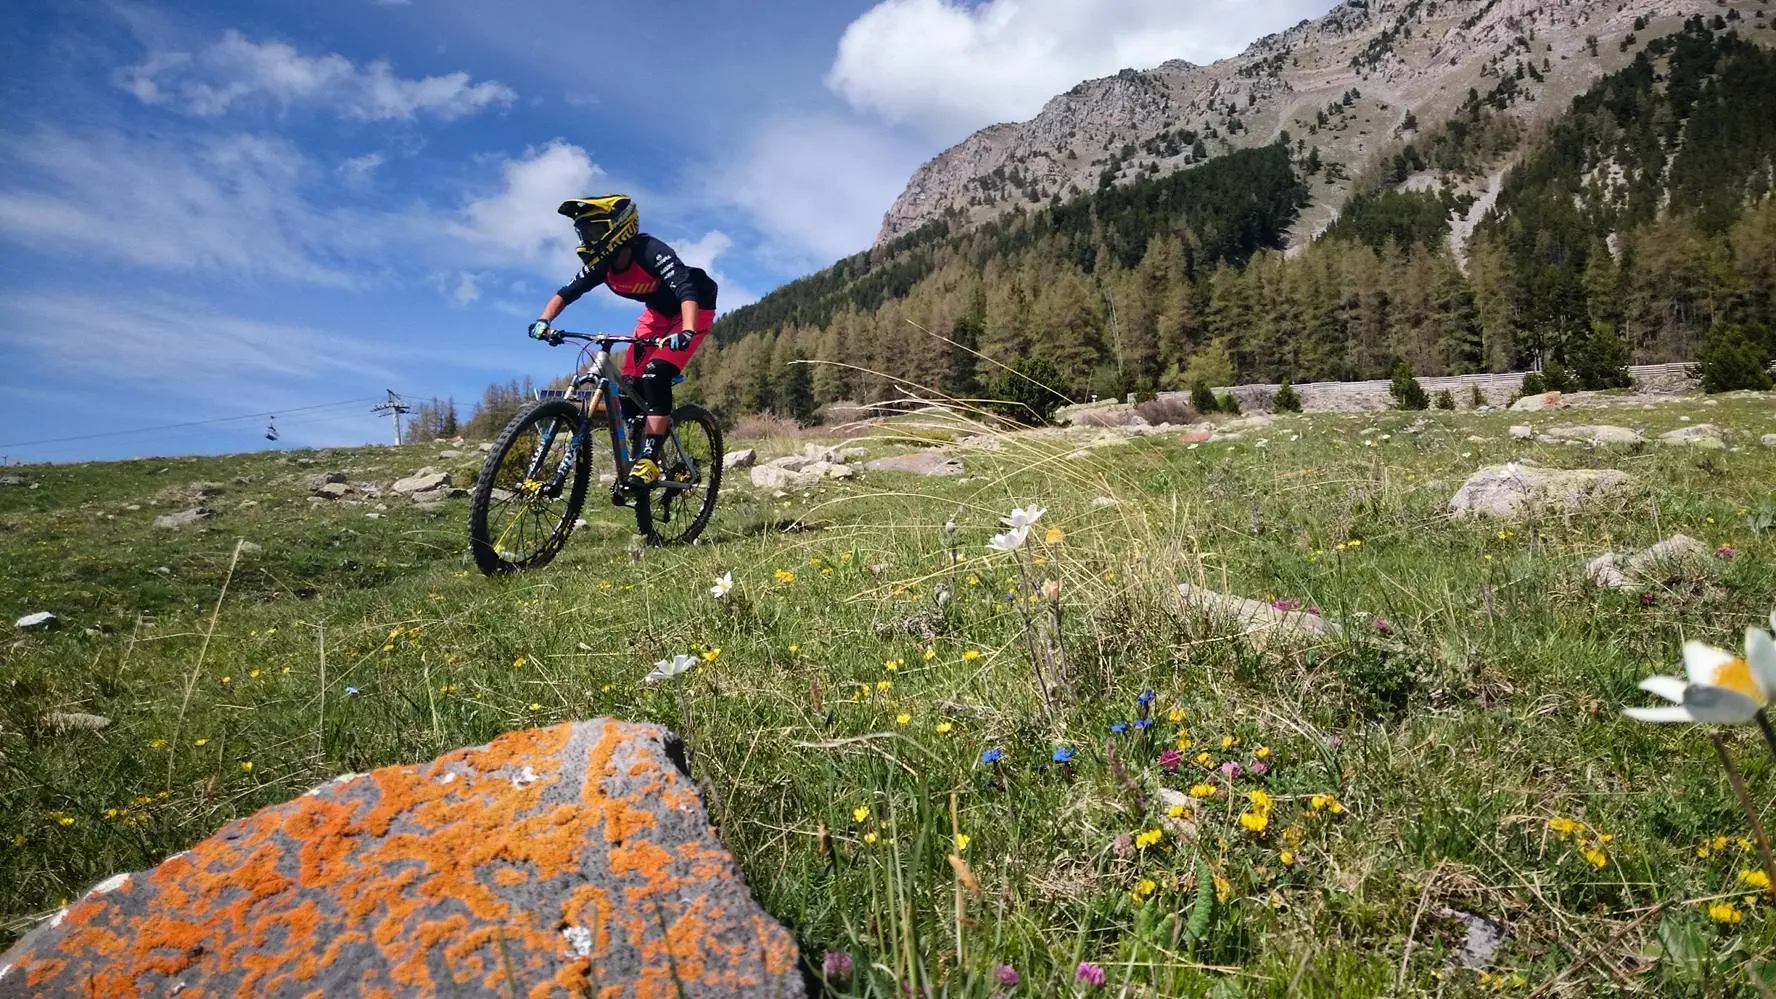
{"x":402,"y":871}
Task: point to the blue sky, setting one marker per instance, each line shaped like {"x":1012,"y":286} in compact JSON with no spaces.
{"x":278,"y":208}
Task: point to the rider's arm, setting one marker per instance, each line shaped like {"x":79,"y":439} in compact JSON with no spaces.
{"x":672,"y":272}
{"x":586,"y":280}
{"x":553,"y":309}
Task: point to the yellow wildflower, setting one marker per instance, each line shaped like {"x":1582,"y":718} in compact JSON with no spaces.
{"x":860,"y":813}
{"x":944,"y":728}
{"x":65,"y":821}
{"x":388,"y":648}
{"x":1262,"y":752}
{"x":200,"y":742}
{"x":1563,"y":827}
{"x":1202,"y":790}
{"x":1325,"y":803}
{"x":1175,"y":812}
{"x":1720,"y":912}
{"x":961,"y":842}
{"x":534,"y":706}
{"x":1754,"y":879}
{"x":892,"y":665}
{"x":1596,"y":857}
{"x":930,"y":654}
{"x":1287,"y":858}
{"x":1222,"y":889}
{"x":1054,"y":536}
{"x":1151,"y":837}
{"x":1175,"y":716}
{"x":247,"y":767}
{"x":1228,"y":742}
{"x":712,"y":654}
{"x":883,"y":686}
{"x":227,"y":680}
{"x":785,"y":576}
{"x":902,"y":718}
{"x":870,"y":837}
{"x":157,"y":744}
{"x":253,"y":674}
{"x":1144,"y":888}
{"x":1184,"y":741}
{"x":971,"y":655}
{"x":519,"y":662}
{"x":1204,"y":760}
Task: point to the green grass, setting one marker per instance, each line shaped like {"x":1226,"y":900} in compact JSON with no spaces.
{"x":1491,"y":709}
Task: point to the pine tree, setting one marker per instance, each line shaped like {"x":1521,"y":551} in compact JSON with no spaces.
{"x":1287,"y":400}
{"x":1405,"y":389}
{"x":960,"y":381}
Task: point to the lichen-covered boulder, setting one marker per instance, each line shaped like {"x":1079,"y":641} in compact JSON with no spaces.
{"x":1521,"y":488}
{"x":573,"y":860}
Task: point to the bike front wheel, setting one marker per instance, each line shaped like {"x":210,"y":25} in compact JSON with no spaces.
{"x":676,"y":510}
{"x":530,"y":491}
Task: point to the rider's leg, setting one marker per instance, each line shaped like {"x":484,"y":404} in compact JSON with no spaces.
{"x":656,"y":369}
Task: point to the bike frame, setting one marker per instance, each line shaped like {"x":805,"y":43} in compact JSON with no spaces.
{"x":601,"y":372}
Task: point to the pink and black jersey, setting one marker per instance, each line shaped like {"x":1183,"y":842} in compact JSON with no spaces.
{"x":655,"y":277}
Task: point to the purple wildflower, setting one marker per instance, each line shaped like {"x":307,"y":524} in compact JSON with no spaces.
{"x":1286,"y":605}
{"x":1259,"y":768}
{"x":1315,"y":611}
{"x":1231,"y":770}
{"x":1171,"y":759}
{"x":1383,"y":626}
{"x":1006,"y":974}
{"x":837,"y":966}
{"x":1090,"y":974}
{"x":1725,"y":553}
{"x":1648,"y":599}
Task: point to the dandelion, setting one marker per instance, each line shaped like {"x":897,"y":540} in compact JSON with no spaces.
{"x":1149,"y":838}
{"x":724,"y":584}
{"x":962,"y":841}
{"x":837,"y":966}
{"x":971,"y":655}
{"x":1005,"y":974}
{"x":860,"y":813}
{"x":1725,"y":913}
{"x":667,"y":669}
{"x":1089,"y":973}
{"x":1722,"y":688}
{"x":1171,"y":759}
{"x":902,"y":718}
{"x":944,"y":728}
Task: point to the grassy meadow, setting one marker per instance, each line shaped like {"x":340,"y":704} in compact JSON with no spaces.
{"x":1457,"y":753}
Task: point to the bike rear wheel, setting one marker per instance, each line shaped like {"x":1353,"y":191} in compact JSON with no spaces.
{"x":676,"y":511}
{"x":526,"y":499}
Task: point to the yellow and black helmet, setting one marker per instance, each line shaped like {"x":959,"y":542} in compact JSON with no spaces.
{"x":602,"y":223}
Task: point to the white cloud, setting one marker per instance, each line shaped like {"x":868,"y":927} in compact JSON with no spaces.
{"x":815,"y":186}
{"x":360,"y":171}
{"x":237,"y":71}
{"x":226,"y":203}
{"x":702,"y":252}
{"x":951,"y":66}
{"x":519,"y":219}
{"x":179,"y":346}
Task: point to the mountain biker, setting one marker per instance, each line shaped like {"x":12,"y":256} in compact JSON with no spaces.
{"x":680,"y":304}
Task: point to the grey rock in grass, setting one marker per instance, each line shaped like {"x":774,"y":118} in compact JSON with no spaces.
{"x":1522,"y":433}
{"x":484,"y":447}
{"x":1099,"y":502}
{"x":75,"y":721}
{"x":12,"y":480}
{"x":250,"y":547}
{"x":1601,"y":433}
{"x":184,"y":518}
{"x":1520,"y":488}
{"x":1702,"y":435}
{"x":1535,"y":403}
{"x":775,"y":476}
{"x":423,"y":481}
{"x":557,"y":861}
{"x":1769,"y":440}
{"x":315,"y":482}
{"x":1258,"y":622}
{"x":333,"y":490}
{"x":929,"y":463}
{"x":1481,"y":941}
{"x":450,"y":455}
{"x":1623,"y":571}
{"x":841,"y":472}
{"x":38,"y":619}
{"x":743,"y":458}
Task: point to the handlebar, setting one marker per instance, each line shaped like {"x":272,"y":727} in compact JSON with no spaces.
{"x":598,"y":338}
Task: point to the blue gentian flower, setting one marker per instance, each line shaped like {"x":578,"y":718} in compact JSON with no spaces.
{"x":1063,"y":754}
{"x":993,"y":755}
{"x":1144,"y":723}
{"x":1145,"y":699}
{"x":1119,"y":728}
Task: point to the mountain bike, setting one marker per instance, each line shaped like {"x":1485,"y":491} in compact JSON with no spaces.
{"x":528,"y":496}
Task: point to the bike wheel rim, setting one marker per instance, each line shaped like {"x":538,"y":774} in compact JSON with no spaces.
{"x":523,"y":521}
{"x":690,"y":451}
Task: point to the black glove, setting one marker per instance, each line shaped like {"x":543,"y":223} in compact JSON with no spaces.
{"x":677,"y":341}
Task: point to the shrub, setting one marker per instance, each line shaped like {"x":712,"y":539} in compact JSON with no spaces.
{"x":1600,"y":359}
{"x":1532,"y":384}
{"x":1226,"y":403}
{"x":1557,"y":378}
{"x":1730,"y":360}
{"x":1476,"y":398}
{"x":1287,"y":400}
{"x":1026,"y":391}
{"x":1445,"y":399}
{"x":1203,"y":399}
{"x":1170,"y":409}
{"x":1407,"y":392}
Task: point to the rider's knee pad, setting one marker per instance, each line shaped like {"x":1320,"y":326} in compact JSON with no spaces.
{"x":656,"y":386}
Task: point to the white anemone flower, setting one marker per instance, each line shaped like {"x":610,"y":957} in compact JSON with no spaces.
{"x":666,"y":669}
{"x":723,"y":583}
{"x":1722,"y":688}
{"x":1011,"y":540}
{"x":1023,"y":517}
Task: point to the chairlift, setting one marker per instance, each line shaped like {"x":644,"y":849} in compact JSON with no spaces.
{"x":271,"y":430}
